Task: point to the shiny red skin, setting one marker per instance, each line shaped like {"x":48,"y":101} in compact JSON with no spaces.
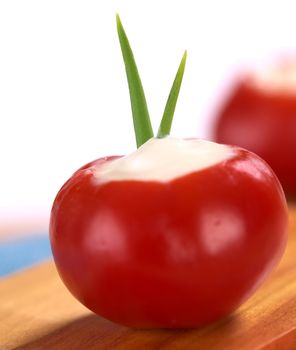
{"x":173,"y":254}
{"x":264,"y":123}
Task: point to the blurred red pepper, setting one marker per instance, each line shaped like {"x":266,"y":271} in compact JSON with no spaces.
{"x":260,"y":115}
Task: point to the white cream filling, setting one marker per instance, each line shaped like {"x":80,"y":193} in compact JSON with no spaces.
{"x":277,"y":79}
{"x":165,"y":159}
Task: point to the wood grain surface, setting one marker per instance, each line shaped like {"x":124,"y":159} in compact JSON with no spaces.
{"x":37,"y":312}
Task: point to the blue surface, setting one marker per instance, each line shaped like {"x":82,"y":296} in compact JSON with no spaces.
{"x":21,"y":253}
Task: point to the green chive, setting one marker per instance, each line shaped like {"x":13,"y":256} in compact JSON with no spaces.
{"x":166,"y":122}
{"x":142,"y":124}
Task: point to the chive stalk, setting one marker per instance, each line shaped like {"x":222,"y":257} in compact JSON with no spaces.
{"x":166,"y":122}
{"x":141,"y":119}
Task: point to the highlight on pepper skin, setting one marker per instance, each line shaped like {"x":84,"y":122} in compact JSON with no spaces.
{"x":260,"y":115}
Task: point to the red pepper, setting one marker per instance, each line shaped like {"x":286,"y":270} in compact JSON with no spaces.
{"x":176,"y":235}
{"x":260,"y":115}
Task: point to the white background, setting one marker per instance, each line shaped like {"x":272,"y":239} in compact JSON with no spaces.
{"x":63,"y":93}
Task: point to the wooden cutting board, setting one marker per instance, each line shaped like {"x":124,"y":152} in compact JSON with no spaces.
{"x":37,"y":312}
